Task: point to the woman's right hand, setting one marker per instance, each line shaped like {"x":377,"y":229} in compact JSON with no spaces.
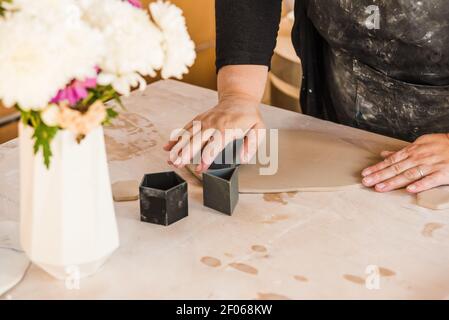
{"x":237,"y":112}
{"x":240,"y":90}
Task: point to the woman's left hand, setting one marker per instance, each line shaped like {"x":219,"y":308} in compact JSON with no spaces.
{"x":421,"y":166}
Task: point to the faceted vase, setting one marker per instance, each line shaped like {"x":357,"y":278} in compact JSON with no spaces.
{"x":68,"y":225}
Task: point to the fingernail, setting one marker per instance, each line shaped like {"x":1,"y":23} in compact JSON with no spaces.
{"x":366,"y":173}
{"x":381,"y":186}
{"x":177,"y":162}
{"x":412,"y":188}
{"x":367,"y":181}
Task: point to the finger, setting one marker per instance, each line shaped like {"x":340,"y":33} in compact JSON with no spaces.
{"x":393,"y":159}
{"x":388,"y":173}
{"x":386,"y":154}
{"x":202,"y":166}
{"x":213,"y":148}
{"x":174,"y":153}
{"x":432,"y":181}
{"x":182,"y":145}
{"x":194,"y":147}
{"x":252,"y":141}
{"x":169,"y":146}
{"x":247,"y":146}
{"x":410,"y":176}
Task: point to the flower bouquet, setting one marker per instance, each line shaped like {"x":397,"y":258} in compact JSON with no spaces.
{"x":60,"y":62}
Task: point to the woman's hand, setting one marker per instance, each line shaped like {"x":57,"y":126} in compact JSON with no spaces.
{"x":240,"y":89}
{"x":421,"y":166}
{"x":235,"y":112}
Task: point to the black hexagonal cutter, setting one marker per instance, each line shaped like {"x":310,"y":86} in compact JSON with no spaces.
{"x":221,"y":189}
{"x":163,"y":198}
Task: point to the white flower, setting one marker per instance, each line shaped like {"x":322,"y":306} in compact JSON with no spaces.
{"x":42,"y":49}
{"x":179,"y":48}
{"x":46,"y":10}
{"x":133,"y":42}
{"x":46,"y":44}
{"x":51,"y":115}
{"x":122,"y":83}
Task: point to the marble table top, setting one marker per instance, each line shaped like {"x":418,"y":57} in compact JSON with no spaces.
{"x":296,"y":246}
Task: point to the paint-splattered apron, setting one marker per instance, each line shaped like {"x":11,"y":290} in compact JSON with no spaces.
{"x":387,"y":63}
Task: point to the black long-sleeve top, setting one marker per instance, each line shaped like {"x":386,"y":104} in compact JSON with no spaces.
{"x":246,"y":32}
{"x":388,"y":75}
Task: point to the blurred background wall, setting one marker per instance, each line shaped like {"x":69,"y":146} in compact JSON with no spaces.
{"x":200,"y":18}
{"x":284,"y":80}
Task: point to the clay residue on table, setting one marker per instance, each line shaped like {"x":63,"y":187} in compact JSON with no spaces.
{"x":274,"y":197}
{"x":244,"y":268}
{"x":300,"y":278}
{"x":211,"y":262}
{"x":271,"y":296}
{"x":430,"y":228}
{"x":276,"y":218}
{"x":279,"y":197}
{"x":259,"y":248}
{"x":130,"y":136}
{"x":354,"y":279}
{"x":384,"y":272}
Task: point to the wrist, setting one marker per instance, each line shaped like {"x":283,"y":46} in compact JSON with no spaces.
{"x":245,"y":82}
{"x":238,"y":97}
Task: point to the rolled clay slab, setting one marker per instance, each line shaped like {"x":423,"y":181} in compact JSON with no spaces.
{"x":123,"y":191}
{"x":308,"y":161}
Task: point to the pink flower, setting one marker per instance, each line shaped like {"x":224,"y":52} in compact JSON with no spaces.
{"x":135,"y":3}
{"x":75,"y":91}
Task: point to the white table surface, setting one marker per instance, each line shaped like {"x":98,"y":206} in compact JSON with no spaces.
{"x":297,"y":246}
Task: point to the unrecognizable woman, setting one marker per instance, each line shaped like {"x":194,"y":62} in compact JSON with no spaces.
{"x":381,"y":66}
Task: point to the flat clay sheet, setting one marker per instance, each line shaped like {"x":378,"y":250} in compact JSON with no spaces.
{"x":308,"y":161}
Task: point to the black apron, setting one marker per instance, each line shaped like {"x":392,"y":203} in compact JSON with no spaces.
{"x":393,"y":80}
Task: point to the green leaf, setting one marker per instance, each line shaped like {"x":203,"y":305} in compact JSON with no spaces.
{"x":110,"y":114}
{"x":119,"y":101}
{"x":43,"y":135}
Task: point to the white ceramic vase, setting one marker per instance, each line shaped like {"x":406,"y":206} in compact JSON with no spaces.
{"x":68,"y":225}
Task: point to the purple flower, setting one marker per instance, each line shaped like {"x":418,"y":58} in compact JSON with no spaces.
{"x":75,"y":91}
